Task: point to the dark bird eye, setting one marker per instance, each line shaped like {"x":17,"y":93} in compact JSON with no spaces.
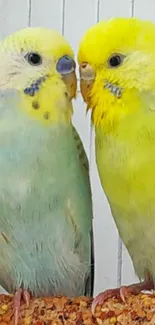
{"x":33,"y":58}
{"x":115,"y":60}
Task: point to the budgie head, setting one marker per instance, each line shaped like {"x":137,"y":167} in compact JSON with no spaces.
{"x":117,"y":68}
{"x":39,"y":64}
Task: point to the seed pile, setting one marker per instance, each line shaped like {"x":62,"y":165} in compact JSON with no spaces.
{"x":138,"y":310}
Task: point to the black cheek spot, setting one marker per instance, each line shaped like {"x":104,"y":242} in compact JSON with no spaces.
{"x":35,"y":104}
{"x":46,"y":116}
{"x":66,"y":94}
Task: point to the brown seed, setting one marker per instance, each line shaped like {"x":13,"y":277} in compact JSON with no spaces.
{"x":42,"y":312}
{"x":35,"y":104}
{"x":46,"y":116}
{"x":6,"y":318}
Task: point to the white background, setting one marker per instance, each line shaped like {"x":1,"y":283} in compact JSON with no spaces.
{"x":72,"y":18}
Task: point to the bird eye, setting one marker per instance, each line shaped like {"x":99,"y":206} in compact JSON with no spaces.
{"x":115,"y":60}
{"x":33,"y":58}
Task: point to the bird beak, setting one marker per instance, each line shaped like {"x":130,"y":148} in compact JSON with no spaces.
{"x":71,"y":83}
{"x":66,"y":67}
{"x":87,"y":78}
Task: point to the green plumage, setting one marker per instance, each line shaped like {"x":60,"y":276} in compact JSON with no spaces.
{"x":45,"y":206}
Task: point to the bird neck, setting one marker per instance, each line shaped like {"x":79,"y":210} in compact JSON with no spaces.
{"x":112,"y":115}
{"x":50,"y":105}
{"x":17,"y":118}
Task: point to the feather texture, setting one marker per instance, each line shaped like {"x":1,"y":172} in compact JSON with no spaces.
{"x":45,"y":205}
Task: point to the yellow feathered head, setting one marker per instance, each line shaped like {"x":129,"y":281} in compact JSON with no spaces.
{"x":117,"y":66}
{"x":39,"y":64}
{"x":34,"y":53}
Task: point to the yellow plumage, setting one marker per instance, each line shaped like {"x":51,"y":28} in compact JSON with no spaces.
{"x":121,"y":53}
{"x":51,"y":46}
{"x":48,"y":101}
{"x":47,"y":41}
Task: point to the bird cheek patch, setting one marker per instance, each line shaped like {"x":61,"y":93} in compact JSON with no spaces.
{"x":35,"y":87}
{"x":113,"y":89}
{"x":35,"y":104}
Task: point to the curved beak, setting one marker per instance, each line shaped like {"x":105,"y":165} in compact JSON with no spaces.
{"x":66,"y":67}
{"x":71,"y":83}
{"x":87,"y":78}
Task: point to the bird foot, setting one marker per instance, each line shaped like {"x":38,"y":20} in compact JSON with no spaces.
{"x":19,"y":294}
{"x":122,"y":293}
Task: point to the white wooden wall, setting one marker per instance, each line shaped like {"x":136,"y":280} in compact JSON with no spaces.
{"x":72,"y":18}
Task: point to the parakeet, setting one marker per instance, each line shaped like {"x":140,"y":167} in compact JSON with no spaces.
{"x":117,"y":67}
{"x":46,"y":241}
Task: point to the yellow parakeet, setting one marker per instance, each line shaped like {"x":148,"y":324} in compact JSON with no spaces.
{"x":46,"y":242}
{"x":117,"y":68}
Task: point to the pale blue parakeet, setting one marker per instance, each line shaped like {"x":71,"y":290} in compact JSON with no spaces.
{"x":46,"y":241}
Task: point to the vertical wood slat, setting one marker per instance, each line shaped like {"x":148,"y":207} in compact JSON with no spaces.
{"x":29,"y":12}
{"x":132,"y":8}
{"x":145,"y":9}
{"x":47,"y":13}
{"x":63,"y":17}
{"x":13,"y":16}
{"x":112,"y":8}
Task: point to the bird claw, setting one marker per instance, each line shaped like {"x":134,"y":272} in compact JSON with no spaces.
{"x":122,"y":292}
{"x":26,"y":297}
{"x":19,"y":294}
{"x":102,"y":297}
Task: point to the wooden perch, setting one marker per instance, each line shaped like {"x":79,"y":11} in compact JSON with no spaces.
{"x":138,"y":310}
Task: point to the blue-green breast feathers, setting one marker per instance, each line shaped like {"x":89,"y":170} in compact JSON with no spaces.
{"x":45,"y":206}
